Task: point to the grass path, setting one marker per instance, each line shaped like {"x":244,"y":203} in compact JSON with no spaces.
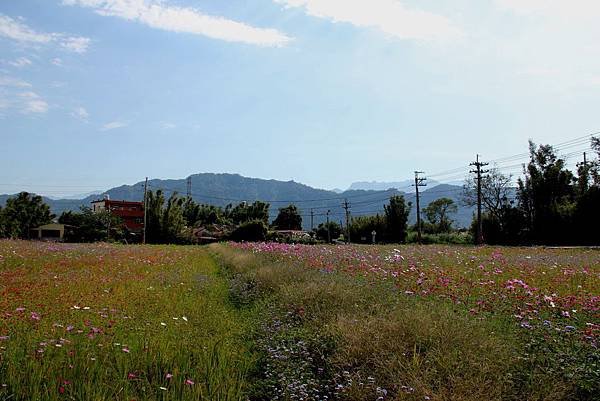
{"x":98,"y":322}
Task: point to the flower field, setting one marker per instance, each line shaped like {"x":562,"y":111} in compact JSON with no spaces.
{"x":268,"y":321}
{"x":558,"y":288}
{"x":103,"y":322}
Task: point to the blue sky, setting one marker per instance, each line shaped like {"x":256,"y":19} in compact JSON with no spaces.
{"x":99,"y":93}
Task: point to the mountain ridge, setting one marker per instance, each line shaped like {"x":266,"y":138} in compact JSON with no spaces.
{"x":221,"y":189}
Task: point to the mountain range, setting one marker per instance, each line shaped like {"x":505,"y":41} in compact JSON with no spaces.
{"x":222,"y":189}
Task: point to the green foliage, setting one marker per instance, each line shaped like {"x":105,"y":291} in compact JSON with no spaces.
{"x":396,"y":217}
{"x":165,"y":223}
{"x":90,"y":226}
{"x":321,"y":232}
{"x":438,"y":214}
{"x":173,"y":221}
{"x":288,"y":219}
{"x":23,"y":213}
{"x":546,"y":196}
{"x":155,"y":202}
{"x":199,"y":215}
{"x":254,"y":230}
{"x":243,"y":212}
{"x":361,"y":228}
{"x":451,"y":238}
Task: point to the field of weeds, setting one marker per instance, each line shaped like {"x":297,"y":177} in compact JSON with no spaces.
{"x":273,"y":321}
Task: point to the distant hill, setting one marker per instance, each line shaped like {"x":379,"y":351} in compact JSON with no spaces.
{"x":222,"y":189}
{"x":406,"y":186}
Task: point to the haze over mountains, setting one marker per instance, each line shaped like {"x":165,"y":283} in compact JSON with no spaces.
{"x":223,"y":189}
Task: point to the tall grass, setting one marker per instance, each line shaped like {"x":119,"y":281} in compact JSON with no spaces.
{"x":329,"y":334}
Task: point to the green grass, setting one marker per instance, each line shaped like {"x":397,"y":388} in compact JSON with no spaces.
{"x":106,"y":322}
{"x":138,"y":299}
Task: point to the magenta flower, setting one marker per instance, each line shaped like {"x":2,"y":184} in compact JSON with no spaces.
{"x":125,"y":350}
{"x":20,"y":309}
{"x":35,"y":316}
{"x":189,"y":382}
{"x":168,"y":376}
{"x":131,"y":376}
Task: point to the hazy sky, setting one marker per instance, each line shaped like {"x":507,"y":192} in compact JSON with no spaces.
{"x":98,"y":93}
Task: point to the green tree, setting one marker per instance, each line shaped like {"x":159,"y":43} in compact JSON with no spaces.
{"x":155,"y":202}
{"x":362,"y":227}
{"x":496,"y":192}
{"x":396,"y":218}
{"x":191,"y":211}
{"x":438,"y":214}
{"x":335,"y":230}
{"x":22,"y":213}
{"x":288,"y":219}
{"x":595,"y":165}
{"x":173,"y":222}
{"x":244,"y":212}
{"x":253,"y":230}
{"x":546,"y":196}
{"x":90,"y":226}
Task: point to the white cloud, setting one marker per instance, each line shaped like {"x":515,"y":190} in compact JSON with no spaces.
{"x":389,"y":16}
{"x":57,"y":62}
{"x":182,"y":19}
{"x":20,"y":62}
{"x":18,"y":31}
{"x":33,"y":103}
{"x":167,"y":125}
{"x":13,"y":82}
{"x":558,"y":9}
{"x":80,"y":113}
{"x":113,"y":125}
{"x":77,"y":44}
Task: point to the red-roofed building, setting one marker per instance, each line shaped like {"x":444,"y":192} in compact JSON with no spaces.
{"x":131,"y":213}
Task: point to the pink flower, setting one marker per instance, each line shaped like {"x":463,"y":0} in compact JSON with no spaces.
{"x":125,"y":350}
{"x":35,"y":316}
{"x":189,"y":382}
{"x":70,"y":328}
{"x":4,"y":338}
{"x":20,"y":309}
{"x":131,"y":376}
{"x":168,"y":376}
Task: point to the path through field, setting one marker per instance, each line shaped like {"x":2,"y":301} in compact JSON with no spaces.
{"x":286,"y":322}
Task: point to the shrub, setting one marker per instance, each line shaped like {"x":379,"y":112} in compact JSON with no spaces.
{"x":254,"y":230}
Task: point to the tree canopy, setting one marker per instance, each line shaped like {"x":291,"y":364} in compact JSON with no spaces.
{"x":288,"y":219}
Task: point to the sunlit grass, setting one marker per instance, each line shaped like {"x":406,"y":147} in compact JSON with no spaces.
{"x":111,"y":322}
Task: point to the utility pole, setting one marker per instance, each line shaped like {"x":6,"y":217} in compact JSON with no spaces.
{"x":584,"y":172}
{"x":312,"y":216}
{"x":145,"y":193}
{"x":346,"y":207}
{"x":478,"y":165}
{"x":419,"y":182}
{"x":328,"y":228}
{"x":189,"y":186}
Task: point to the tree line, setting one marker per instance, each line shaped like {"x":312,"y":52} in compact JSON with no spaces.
{"x":550,"y":205}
